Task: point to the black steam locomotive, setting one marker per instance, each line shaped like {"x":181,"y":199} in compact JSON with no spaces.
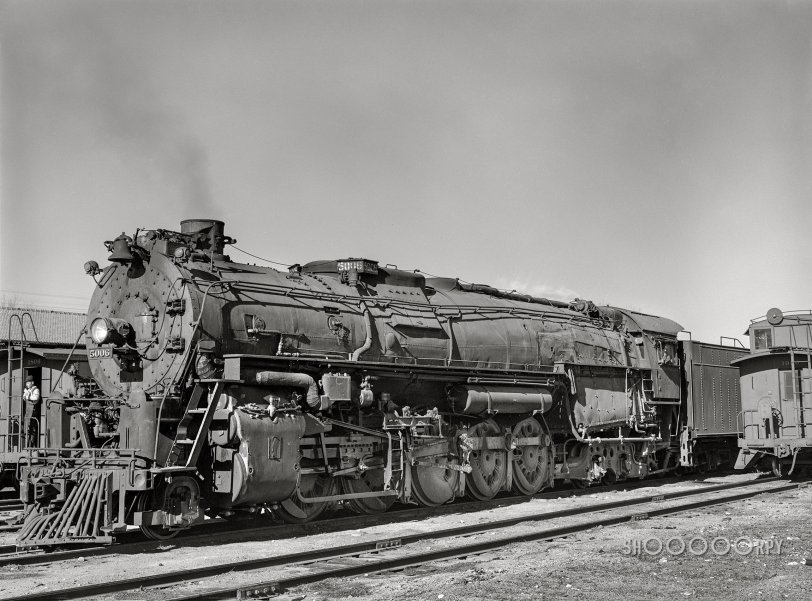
{"x":230,"y":389}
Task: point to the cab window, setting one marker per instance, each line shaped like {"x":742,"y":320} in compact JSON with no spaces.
{"x":763,"y":338}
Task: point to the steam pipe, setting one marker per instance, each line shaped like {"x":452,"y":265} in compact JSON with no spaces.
{"x":368,"y":342}
{"x":297,"y":380}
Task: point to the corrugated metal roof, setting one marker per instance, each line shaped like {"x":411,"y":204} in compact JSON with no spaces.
{"x":49,"y":327}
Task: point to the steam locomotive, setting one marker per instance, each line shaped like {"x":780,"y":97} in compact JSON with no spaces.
{"x":229,"y":389}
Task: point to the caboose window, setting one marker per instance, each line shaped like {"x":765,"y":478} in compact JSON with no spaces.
{"x":763,"y":338}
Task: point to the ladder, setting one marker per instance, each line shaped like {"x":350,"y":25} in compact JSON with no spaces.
{"x":193,"y":428}
{"x":803,"y":377}
{"x":16,"y":434}
{"x":805,"y":396}
{"x":648,"y":386}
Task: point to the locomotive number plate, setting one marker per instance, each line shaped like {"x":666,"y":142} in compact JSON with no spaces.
{"x":100,"y":353}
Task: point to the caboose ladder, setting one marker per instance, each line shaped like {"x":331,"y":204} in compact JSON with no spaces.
{"x":805,"y":398}
{"x":193,"y":427}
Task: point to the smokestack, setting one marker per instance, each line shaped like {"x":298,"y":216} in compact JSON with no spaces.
{"x":210,"y":230}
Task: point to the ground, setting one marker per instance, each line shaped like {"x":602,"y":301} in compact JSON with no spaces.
{"x":772,"y":535}
{"x":600,"y":564}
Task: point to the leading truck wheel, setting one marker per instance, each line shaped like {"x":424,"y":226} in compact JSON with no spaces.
{"x":179,"y":500}
{"x":146,"y":502}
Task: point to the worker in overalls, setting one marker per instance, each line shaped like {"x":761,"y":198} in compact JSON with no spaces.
{"x":33,"y":401}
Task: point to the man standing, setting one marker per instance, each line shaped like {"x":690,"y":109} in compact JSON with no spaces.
{"x":32,"y":399}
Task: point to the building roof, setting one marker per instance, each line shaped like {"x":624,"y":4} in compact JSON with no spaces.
{"x":45,"y":327}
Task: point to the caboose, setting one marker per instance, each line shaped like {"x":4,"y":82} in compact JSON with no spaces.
{"x":39,"y":344}
{"x":776,"y":388}
{"x":240,"y":390}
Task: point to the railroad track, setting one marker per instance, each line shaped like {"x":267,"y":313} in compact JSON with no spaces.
{"x":253,"y":530}
{"x":398,"y":553}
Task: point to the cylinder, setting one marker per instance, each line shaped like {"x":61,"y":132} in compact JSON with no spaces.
{"x":505,"y":399}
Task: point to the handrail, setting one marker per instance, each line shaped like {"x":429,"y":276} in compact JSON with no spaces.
{"x":75,"y":344}
{"x":736,"y":342}
{"x":792,"y":313}
{"x":436,"y":309}
{"x":741,"y":421}
{"x":33,"y":327}
{"x":10,"y":352}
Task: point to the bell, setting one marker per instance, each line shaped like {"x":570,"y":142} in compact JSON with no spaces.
{"x":120,"y":250}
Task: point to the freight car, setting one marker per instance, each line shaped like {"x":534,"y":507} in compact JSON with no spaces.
{"x":712,"y":404}
{"x":240,"y":389}
{"x":776,"y":385}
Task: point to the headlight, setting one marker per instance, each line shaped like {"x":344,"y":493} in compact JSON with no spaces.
{"x":100,"y":330}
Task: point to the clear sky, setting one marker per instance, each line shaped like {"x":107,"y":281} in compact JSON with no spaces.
{"x":651,"y":155}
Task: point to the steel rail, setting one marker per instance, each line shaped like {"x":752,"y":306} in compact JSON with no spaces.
{"x":225,"y":530}
{"x":180,"y":576}
{"x":9,"y":555}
